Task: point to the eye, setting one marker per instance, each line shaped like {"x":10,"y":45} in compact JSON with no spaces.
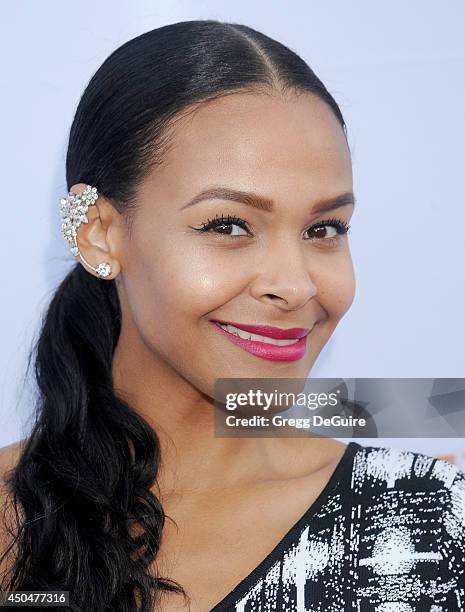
{"x":223,"y":224}
{"x":337,"y":227}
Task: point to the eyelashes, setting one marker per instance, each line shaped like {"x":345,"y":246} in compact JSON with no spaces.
{"x":225,"y":222}
{"x":222,"y":221}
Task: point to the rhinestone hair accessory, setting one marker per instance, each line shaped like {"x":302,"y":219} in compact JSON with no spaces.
{"x":73,"y":211}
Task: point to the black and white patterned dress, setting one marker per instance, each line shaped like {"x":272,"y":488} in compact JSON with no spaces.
{"x":387,"y":534}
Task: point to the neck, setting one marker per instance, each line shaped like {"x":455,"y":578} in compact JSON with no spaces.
{"x":192,"y":458}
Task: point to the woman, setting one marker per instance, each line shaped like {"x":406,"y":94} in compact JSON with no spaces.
{"x":220,"y":186}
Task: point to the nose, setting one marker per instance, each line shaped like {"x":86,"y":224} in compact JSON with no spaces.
{"x":284,"y":280}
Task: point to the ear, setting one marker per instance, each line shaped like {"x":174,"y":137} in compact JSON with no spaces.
{"x":99,"y":239}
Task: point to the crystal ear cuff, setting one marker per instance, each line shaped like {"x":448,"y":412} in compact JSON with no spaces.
{"x":73,"y":211}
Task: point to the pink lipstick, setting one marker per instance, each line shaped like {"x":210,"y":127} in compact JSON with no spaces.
{"x":263,"y":349}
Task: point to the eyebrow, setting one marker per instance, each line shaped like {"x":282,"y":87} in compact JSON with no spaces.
{"x":263,"y":203}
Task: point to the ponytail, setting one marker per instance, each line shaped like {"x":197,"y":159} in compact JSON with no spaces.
{"x":84,"y":478}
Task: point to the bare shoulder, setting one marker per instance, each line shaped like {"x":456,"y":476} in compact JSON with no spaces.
{"x":305,"y":456}
{"x":9,"y":456}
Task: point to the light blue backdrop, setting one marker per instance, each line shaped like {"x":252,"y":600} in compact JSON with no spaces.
{"x":397,"y":71}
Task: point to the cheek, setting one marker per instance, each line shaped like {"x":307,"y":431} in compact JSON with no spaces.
{"x":336,"y":286}
{"x":193,"y":282}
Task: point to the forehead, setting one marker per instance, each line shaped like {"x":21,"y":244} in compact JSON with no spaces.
{"x":255,"y":140}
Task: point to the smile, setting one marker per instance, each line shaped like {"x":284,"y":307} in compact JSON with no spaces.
{"x":273,"y":343}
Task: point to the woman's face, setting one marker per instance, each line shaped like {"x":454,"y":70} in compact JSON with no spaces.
{"x":265,"y":267}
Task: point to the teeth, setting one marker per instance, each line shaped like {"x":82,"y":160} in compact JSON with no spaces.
{"x":248,"y":336}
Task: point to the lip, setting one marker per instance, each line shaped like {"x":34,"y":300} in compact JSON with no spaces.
{"x":277,"y":333}
{"x":291,"y":352}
